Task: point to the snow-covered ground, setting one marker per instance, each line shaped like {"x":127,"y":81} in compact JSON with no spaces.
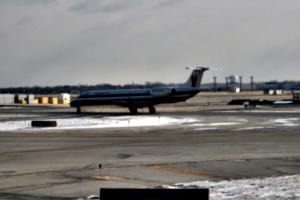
{"x":284,"y":187}
{"x":196,"y":123}
{"x":106,"y":122}
{"x":274,"y":188}
{"x":266,"y":110}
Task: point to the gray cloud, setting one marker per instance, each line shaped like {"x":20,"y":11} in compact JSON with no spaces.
{"x":90,"y":42}
{"x":94,"y":7}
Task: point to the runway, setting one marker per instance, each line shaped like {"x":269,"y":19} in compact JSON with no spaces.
{"x":161,"y":150}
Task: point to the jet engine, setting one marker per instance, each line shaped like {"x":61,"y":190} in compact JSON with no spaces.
{"x":162,"y":92}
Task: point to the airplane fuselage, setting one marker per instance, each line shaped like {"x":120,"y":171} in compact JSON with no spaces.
{"x":140,"y":98}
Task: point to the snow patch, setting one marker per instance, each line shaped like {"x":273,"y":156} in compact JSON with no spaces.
{"x":215,"y":124}
{"x":249,"y":128}
{"x":284,"y":187}
{"x":284,"y":122}
{"x":107,"y":122}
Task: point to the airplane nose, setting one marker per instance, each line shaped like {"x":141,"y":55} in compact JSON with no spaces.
{"x":73,"y":103}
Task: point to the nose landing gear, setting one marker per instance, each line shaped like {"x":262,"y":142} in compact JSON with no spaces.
{"x":133,"y":110}
{"x":152,"y":109}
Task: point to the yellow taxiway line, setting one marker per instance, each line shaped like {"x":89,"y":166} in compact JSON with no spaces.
{"x":184,"y":171}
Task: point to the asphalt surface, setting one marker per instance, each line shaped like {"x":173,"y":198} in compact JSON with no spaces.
{"x":218,"y":145}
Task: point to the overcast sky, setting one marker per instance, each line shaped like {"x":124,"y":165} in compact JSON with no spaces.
{"x":47,"y":42}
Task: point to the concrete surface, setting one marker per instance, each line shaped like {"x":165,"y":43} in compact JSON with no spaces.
{"x":61,"y":164}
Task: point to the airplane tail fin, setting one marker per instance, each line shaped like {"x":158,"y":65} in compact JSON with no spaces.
{"x":195,"y":78}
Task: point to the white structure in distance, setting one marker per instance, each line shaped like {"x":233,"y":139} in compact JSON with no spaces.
{"x":233,"y":79}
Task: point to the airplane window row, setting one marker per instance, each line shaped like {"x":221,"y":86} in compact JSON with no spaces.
{"x":116,"y":95}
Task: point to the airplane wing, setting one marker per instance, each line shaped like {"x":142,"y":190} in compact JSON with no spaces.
{"x":137,"y":104}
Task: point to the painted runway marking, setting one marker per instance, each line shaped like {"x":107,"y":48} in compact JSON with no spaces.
{"x":156,"y":166}
{"x":107,"y":178}
{"x":182,"y":171}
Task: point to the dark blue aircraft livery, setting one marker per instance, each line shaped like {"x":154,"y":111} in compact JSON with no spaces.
{"x":140,"y":98}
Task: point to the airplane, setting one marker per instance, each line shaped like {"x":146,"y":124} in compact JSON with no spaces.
{"x":140,"y":98}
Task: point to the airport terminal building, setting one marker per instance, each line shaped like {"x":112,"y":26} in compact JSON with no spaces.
{"x":278,"y":85}
{"x":248,"y":87}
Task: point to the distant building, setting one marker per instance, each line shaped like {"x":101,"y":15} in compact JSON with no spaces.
{"x":233,"y":79}
{"x":277,"y":86}
{"x":235,"y":89}
{"x":273,"y":91}
{"x":7,"y":98}
{"x":223,"y":87}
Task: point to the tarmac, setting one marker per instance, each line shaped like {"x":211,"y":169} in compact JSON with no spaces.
{"x":220,"y":143}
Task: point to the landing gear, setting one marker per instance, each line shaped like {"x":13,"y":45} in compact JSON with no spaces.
{"x":78,"y":110}
{"x":133,"y":110}
{"x":152,"y":109}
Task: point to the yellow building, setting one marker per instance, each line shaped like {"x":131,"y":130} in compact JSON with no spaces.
{"x":22,"y":101}
{"x":63,"y":101}
{"x":64,"y":98}
{"x":53,"y":100}
{"x":43,"y":100}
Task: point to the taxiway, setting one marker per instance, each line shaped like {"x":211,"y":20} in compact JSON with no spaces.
{"x":175,"y":145}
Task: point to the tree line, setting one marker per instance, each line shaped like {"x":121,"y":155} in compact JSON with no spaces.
{"x":76,"y":89}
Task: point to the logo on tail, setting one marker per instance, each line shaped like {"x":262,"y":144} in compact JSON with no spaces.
{"x":194,"y":79}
